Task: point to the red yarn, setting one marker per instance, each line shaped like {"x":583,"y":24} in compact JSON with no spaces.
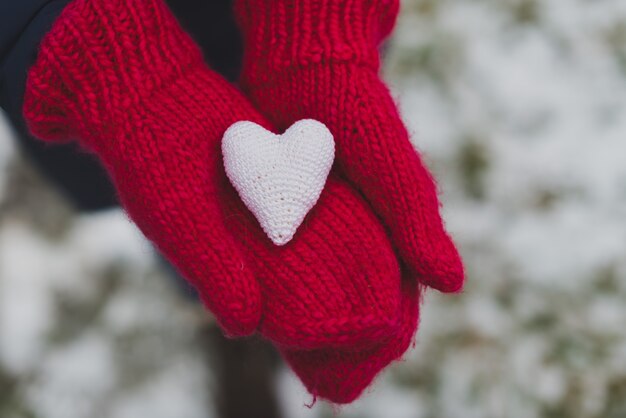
{"x":124,"y":79}
{"x":342,"y":375}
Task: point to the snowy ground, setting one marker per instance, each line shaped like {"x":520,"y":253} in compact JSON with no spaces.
{"x":519,"y":107}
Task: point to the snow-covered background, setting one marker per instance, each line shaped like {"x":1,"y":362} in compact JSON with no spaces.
{"x":519,"y":107}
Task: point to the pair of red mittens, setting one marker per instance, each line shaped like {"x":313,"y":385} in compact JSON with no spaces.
{"x":122,"y":78}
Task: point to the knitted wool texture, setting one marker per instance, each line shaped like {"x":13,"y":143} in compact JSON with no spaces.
{"x":341,"y":375}
{"x":319,"y":59}
{"x":278,"y":177}
{"x":124,"y":79}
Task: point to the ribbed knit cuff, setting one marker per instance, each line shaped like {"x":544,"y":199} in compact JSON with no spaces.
{"x":281,"y":34}
{"x":101,"y":58}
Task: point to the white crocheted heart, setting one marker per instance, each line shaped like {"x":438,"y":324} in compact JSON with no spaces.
{"x":279,"y":177}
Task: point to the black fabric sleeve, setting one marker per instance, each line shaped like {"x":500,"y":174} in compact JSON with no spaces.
{"x":23,"y":24}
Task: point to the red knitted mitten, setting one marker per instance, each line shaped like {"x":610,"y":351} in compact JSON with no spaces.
{"x":123,"y":78}
{"x":319,"y":59}
{"x":340,"y":376}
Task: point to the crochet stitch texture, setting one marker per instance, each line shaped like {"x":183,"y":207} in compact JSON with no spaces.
{"x":278,"y":177}
{"x":123,"y":78}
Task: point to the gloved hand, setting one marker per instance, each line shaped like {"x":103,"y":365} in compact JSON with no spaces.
{"x":124,"y":79}
{"x":319,"y":59}
{"x":341,"y":375}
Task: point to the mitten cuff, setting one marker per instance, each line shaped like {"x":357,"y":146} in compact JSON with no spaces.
{"x":280,"y":34}
{"x":100,"y":58}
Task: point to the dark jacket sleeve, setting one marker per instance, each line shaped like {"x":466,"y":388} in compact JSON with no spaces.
{"x":23,"y":24}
